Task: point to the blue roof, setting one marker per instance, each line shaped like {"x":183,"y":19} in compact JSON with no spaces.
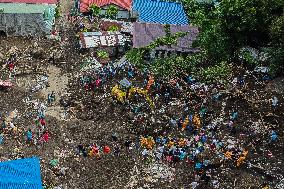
{"x":20,"y":174}
{"x":155,"y":11}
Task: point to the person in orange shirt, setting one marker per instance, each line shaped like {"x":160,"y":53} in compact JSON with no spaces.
{"x":228,"y":155}
{"x":150,"y":82}
{"x":196,"y":121}
{"x":185,"y":123}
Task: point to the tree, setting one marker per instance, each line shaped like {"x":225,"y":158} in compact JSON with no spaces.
{"x":226,"y":26}
{"x":112,"y":11}
{"x":95,"y":10}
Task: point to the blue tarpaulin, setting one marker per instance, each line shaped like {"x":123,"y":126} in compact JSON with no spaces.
{"x":20,"y":174}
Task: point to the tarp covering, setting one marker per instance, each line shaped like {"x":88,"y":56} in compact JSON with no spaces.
{"x":21,"y":174}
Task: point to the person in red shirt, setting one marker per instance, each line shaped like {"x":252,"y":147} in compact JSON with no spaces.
{"x":106,"y":149}
{"x":11,"y":66}
{"x":45,"y":137}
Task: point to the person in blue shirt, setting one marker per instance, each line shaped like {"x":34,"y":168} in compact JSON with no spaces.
{"x":29,"y":135}
{"x":1,"y":138}
{"x":273,"y":136}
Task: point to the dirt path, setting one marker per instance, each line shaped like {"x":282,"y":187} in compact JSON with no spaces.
{"x":58,"y":84}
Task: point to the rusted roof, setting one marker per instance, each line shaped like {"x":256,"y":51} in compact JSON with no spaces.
{"x":145,"y":33}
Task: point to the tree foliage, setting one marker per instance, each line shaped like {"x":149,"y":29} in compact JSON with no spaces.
{"x":228,"y":25}
{"x":217,"y":73}
{"x":95,"y":10}
{"x":102,"y":54}
{"x":113,"y":28}
{"x":112,"y":11}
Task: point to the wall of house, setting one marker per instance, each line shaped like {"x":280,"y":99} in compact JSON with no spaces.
{"x":122,"y":13}
{"x":23,"y":24}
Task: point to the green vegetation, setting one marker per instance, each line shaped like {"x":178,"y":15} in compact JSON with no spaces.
{"x":247,"y":32}
{"x":57,"y":12}
{"x":229,"y":25}
{"x":95,"y":10}
{"x":217,"y":73}
{"x":135,"y":56}
{"x":112,"y":12}
{"x":102,"y":54}
{"x":113,"y":28}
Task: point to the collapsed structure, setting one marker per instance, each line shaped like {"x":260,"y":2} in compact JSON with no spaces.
{"x":26,"y":17}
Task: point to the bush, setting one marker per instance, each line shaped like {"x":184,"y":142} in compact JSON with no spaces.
{"x":57,"y":12}
{"x":136,"y":57}
{"x":275,"y":60}
{"x":112,"y":11}
{"x":102,"y":54}
{"x":249,"y":57}
{"x":113,"y":28}
{"x":95,"y":10}
{"x":217,"y":73}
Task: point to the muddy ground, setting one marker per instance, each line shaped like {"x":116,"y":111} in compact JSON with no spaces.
{"x":95,"y":116}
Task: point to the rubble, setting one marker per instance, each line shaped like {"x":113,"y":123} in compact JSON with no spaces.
{"x":189,"y":135}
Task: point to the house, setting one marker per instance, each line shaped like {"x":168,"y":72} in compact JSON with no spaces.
{"x":162,"y":12}
{"x":102,"y":39}
{"x":123,"y":6}
{"x":145,"y":33}
{"x":27,"y":17}
{"x":124,"y":27}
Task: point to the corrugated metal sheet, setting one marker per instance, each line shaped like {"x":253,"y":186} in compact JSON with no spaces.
{"x":29,"y":1}
{"x":101,"y":39}
{"x":85,"y":4}
{"x":155,"y":11}
{"x":26,"y":8}
{"x":145,"y":33}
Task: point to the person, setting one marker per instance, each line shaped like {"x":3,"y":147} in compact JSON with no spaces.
{"x":4,"y":125}
{"x":106,"y":149}
{"x":29,"y":135}
{"x":114,"y":137}
{"x":116,"y":150}
{"x":45,"y":137}
{"x":274,"y":101}
{"x":1,"y":138}
{"x":273,"y":136}
{"x":42,"y":122}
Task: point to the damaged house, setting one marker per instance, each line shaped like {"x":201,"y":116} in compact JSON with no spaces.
{"x":123,"y":6}
{"x":145,"y":33}
{"x":27,"y":17}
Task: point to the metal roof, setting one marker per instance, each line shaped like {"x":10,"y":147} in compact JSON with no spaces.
{"x":30,"y":1}
{"x":25,"y":8}
{"x":145,"y":33}
{"x":162,"y":12}
{"x":85,"y":4}
{"x":102,"y":39}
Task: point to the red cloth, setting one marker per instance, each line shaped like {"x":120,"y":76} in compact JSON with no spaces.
{"x":106,"y":149}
